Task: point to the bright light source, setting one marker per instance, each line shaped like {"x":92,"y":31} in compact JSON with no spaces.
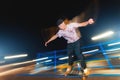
{"x":90,"y":51}
{"x":20,"y":63}
{"x":15,"y":56}
{"x":15,"y":64}
{"x":41,"y":59}
{"x":113,"y":49}
{"x":48,"y":61}
{"x":106,"y":34}
{"x":112,"y":44}
{"x":63,"y":58}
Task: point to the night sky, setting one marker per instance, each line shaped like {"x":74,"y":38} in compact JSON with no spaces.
{"x":21,"y":22}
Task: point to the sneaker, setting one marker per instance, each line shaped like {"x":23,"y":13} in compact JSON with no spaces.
{"x":86,"y":72}
{"x":68,"y":70}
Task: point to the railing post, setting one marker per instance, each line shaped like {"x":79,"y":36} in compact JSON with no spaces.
{"x":55,"y":61}
{"x":106,"y":56}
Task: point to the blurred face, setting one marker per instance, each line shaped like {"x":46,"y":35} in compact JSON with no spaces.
{"x":62,"y":26}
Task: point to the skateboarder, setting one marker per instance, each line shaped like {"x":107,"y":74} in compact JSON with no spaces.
{"x":69,"y":33}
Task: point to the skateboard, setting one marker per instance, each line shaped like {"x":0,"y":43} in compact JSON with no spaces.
{"x":75,"y":72}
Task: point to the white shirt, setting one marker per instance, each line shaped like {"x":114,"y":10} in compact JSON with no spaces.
{"x":70,"y":33}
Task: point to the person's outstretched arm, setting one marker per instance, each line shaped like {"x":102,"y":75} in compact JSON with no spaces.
{"x":83,"y":24}
{"x":51,"y":39}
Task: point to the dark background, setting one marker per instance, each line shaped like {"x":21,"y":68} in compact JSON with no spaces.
{"x":23,"y":23}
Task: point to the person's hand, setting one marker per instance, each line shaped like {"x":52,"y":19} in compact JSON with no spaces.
{"x":46,"y":44}
{"x":90,"y":21}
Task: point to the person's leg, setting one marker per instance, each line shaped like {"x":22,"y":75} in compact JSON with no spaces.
{"x":80,"y":56}
{"x":70,"y":58}
{"x":70,"y":50}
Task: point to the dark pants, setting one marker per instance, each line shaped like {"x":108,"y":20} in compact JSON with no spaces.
{"x":73,"y":50}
